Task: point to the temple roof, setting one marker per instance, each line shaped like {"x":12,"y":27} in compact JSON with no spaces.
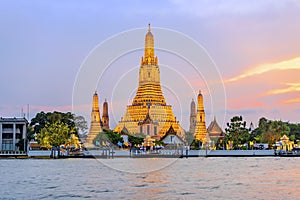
{"x":13,"y":119}
{"x":124,"y":131}
{"x":171,"y":131}
{"x":284,"y":137}
{"x":214,"y":129}
{"x":147,"y":119}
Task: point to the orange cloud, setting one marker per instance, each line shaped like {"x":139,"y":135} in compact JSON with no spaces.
{"x":294,"y":100}
{"x":293,"y":87}
{"x":283,"y":65}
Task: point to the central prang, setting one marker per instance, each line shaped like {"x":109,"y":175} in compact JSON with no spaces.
{"x":149,"y":113}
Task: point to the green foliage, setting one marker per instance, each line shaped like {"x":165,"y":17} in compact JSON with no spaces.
{"x":219,"y":144}
{"x":108,"y":136}
{"x":61,"y":125}
{"x":54,"y":134}
{"x":294,"y":130}
{"x":195,"y":145}
{"x":269,"y":131}
{"x":136,"y":139}
{"x":113,"y":137}
{"x":159,"y":143}
{"x":42,"y":118}
{"x":30,"y":133}
{"x":236,"y":132}
{"x":189,"y":137}
{"x":21,"y":146}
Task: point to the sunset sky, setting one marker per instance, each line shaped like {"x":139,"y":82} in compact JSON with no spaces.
{"x":254,"y":44}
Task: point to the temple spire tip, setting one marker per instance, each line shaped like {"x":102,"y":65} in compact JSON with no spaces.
{"x":149,"y":29}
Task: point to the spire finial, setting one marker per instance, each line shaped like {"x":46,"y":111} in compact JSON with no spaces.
{"x":149,"y":27}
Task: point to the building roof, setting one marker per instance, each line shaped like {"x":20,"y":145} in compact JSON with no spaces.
{"x":13,"y":119}
{"x":171,"y":131}
{"x":124,"y":131}
{"x":147,"y":119}
{"x":214,"y":130}
{"x":284,"y":138}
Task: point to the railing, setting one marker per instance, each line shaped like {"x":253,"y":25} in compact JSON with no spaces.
{"x":11,"y":152}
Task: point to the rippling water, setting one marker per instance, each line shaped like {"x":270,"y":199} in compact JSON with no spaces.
{"x":192,"y":178}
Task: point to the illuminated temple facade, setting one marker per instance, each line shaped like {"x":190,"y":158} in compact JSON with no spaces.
{"x":149,"y":111}
{"x":200,"y":133}
{"x":97,"y":125}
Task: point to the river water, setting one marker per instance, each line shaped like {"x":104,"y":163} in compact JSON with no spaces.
{"x":121,"y":178}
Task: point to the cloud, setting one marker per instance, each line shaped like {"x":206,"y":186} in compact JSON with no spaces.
{"x":293,"y":87}
{"x":294,"y":100}
{"x":293,"y":64}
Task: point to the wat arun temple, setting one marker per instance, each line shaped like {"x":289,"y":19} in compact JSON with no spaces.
{"x":149,"y":104}
{"x":149,"y":112}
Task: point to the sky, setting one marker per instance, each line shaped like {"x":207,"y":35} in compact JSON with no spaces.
{"x":254,"y":45}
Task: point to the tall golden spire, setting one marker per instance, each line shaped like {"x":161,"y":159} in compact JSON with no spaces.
{"x":95,"y":115}
{"x":149,"y":96}
{"x":200,"y":132}
{"x":149,"y":90}
{"x":95,"y":127}
{"x":149,"y":49}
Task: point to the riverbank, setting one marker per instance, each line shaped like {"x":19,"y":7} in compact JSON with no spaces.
{"x":135,"y":154}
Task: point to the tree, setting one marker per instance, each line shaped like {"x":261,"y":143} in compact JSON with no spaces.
{"x":41,"y":119}
{"x":269,"y":131}
{"x":220,"y":144}
{"x":136,"y":139}
{"x":61,"y":125}
{"x":189,"y":137}
{"x":54,"y":134}
{"x":108,"y":136}
{"x":295,"y":131}
{"x":236,"y":132}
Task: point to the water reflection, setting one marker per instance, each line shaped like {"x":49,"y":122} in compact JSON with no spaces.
{"x":193,"y":178}
{"x":138,"y":165}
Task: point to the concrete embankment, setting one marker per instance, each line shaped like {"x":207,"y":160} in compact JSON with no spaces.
{"x":162,"y":153}
{"x":240,"y":153}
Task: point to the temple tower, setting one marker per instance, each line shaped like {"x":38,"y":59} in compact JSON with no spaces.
{"x":105,"y":118}
{"x":193,"y":116}
{"x":149,"y":97}
{"x":200,"y":130}
{"x":95,"y":127}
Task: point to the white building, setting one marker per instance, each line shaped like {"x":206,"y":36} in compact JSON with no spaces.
{"x":12,"y":130}
{"x":172,"y":138}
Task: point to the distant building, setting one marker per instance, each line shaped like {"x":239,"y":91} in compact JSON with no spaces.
{"x":12,"y":130}
{"x":193,"y":116}
{"x":97,"y":125}
{"x":200,"y":130}
{"x":251,"y":128}
{"x":105,"y":118}
{"x":172,"y":138}
{"x":124,"y":134}
{"x":215,"y":132}
{"x":149,"y":127}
